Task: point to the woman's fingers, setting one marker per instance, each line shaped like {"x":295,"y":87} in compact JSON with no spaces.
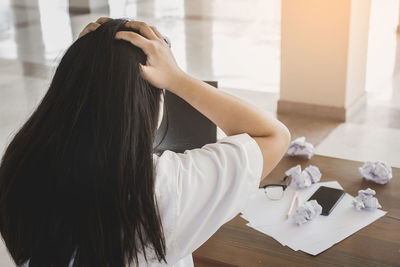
{"x":102,"y":20}
{"x":89,"y":28}
{"x":150,"y":32}
{"x":135,"y":39}
{"x":159,"y":35}
{"x":143,"y":28}
{"x":156,"y":32}
{"x":160,"y":69}
{"x":93,"y":26}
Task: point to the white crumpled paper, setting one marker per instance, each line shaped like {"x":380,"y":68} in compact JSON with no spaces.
{"x":378,"y":172}
{"x":307,"y":212}
{"x":299,"y":147}
{"x":303,"y":179}
{"x":366,"y":200}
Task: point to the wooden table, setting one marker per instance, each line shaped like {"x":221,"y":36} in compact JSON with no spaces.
{"x":378,"y":244}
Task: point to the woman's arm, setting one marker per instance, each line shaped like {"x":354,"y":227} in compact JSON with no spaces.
{"x":235,"y":116}
{"x":231,"y":114}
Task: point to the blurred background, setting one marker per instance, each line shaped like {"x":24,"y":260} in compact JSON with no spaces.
{"x":330,"y":70}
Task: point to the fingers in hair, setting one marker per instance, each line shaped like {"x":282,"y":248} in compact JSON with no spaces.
{"x":101,"y":20}
{"x":162,"y":38}
{"x":143,"y":28}
{"x":135,"y":39}
{"x":89,"y":28}
{"x":156,"y":32}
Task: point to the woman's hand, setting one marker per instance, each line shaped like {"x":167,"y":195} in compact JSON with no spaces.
{"x":93,"y":26}
{"x":161,"y":69}
{"x":231,"y":114}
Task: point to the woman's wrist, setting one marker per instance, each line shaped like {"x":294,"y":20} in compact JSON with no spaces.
{"x":178,"y":82}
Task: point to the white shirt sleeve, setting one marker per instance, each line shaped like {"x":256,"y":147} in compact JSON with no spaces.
{"x":213,"y":185}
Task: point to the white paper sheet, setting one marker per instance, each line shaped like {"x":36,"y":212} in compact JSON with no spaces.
{"x":263,"y":211}
{"x":268,"y":217}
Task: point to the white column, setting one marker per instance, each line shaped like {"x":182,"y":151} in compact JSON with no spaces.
{"x":398,"y":26}
{"x":323,"y":56}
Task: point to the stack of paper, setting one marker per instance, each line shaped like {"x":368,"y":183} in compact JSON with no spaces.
{"x":269,"y":217}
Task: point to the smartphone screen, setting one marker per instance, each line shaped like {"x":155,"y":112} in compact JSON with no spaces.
{"x":328,"y":198}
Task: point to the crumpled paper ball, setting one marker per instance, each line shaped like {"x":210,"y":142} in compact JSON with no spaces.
{"x":307,"y":212}
{"x":299,"y":147}
{"x":366,"y":200}
{"x":303,"y":179}
{"x":378,"y":172}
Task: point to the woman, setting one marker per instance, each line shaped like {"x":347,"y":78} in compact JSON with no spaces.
{"x":79,"y":185}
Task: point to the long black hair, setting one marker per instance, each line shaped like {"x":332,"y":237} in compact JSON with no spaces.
{"x":77,"y":180}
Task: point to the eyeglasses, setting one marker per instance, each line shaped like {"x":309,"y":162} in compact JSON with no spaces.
{"x":275,"y":191}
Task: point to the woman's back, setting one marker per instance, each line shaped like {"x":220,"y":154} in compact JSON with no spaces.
{"x":78,"y":176}
{"x":79,"y":180}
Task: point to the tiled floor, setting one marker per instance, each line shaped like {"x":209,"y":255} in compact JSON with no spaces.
{"x":236,"y":43}
{"x":362,"y":143}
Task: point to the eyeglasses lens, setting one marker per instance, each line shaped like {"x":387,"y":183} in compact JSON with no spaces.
{"x":274,"y":192}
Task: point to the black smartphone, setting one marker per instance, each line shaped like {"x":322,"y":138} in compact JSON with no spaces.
{"x":328,"y":198}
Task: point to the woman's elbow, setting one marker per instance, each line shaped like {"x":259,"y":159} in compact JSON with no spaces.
{"x":283,"y":134}
{"x":274,"y":148}
{"x":287,"y":136}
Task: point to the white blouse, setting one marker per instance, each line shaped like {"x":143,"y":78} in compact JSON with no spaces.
{"x":200,"y":190}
